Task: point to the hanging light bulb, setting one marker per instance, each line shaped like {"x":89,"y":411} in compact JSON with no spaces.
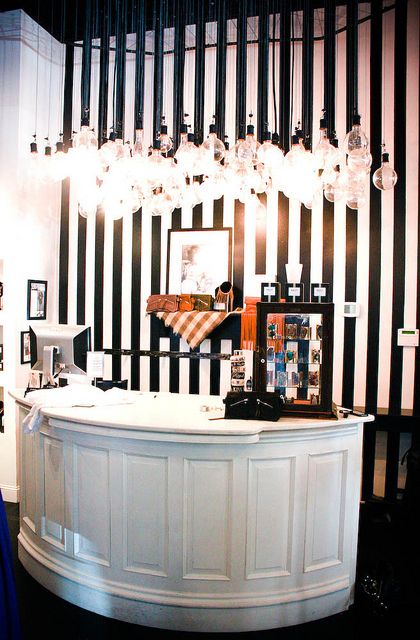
{"x":60,"y":166}
{"x":355,"y":141}
{"x":385,"y":177}
{"x":187,"y":156}
{"x":139,"y":148}
{"x":248,"y":149}
{"x":324,"y":152}
{"x":213,"y":149}
{"x":166,"y":143}
{"x":269,"y":154}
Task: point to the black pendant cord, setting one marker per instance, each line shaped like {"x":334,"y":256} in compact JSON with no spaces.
{"x":105,"y":30}
{"x":329,"y":64}
{"x":220,"y":107}
{"x":86,"y":63}
{"x":200,"y":42}
{"x":351,"y":60}
{"x":120,"y":52}
{"x":140,"y":31}
{"x":241,"y":68}
{"x":262,"y":103}
{"x":158,"y":27}
{"x":284,"y":102}
{"x":308,"y":68}
{"x":179,"y":70}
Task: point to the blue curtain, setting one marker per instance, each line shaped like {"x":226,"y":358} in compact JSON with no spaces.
{"x":9,"y":614}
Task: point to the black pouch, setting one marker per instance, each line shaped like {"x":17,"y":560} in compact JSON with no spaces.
{"x":253,"y":405}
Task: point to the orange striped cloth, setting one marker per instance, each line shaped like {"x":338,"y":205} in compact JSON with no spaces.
{"x":193,"y":326}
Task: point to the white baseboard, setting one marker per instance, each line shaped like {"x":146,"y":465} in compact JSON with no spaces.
{"x":10,"y":493}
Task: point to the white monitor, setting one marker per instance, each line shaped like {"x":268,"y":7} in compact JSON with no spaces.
{"x":72,"y":343}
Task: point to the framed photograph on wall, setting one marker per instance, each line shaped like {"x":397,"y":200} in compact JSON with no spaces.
{"x":37,"y":300}
{"x":198,"y":260}
{"x":25,"y":347}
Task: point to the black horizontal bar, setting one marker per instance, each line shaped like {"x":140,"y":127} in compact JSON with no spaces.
{"x":168,"y":354}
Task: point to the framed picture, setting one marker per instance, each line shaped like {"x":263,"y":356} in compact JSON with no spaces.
{"x":37,"y":300}
{"x":198,"y":260}
{"x":25,"y":347}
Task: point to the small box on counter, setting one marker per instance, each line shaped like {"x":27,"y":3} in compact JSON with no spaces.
{"x":203,"y":302}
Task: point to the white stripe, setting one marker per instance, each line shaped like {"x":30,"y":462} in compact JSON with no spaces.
{"x":204,"y":388}
{"x":164,"y":345}
{"x":362,"y":292}
{"x":146,"y":257}
{"x":271,"y":235}
{"x":107,"y":298}
{"x":412,"y":199}
{"x":72,"y":272}
{"x":127,"y":252}
{"x":184,"y":369}
{"x":338,"y":298}
{"x":387,"y":218}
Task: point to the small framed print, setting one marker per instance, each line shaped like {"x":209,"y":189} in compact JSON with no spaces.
{"x":320,"y":292}
{"x":25,"y":347}
{"x":293,"y":291}
{"x":37,"y":300}
{"x":270,"y":292}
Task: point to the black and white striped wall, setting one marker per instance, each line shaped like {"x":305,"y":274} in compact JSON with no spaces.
{"x":108,"y":268}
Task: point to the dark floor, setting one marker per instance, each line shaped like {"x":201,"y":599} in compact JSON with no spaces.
{"x":386,"y":553}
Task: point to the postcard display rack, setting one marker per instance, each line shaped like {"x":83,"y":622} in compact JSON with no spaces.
{"x":294,"y":355}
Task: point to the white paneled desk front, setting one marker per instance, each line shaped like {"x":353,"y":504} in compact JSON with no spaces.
{"x":155,"y":514}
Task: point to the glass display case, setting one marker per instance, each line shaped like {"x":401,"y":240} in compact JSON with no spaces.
{"x":294,"y":355}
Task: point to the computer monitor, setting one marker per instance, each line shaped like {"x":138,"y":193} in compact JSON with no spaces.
{"x":72,"y":344}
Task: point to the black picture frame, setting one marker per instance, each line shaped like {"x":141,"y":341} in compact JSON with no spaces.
{"x":318,"y":345}
{"x":215,"y":252}
{"x":320,"y":292}
{"x":37,"y":300}
{"x":25,"y":348}
{"x":293,"y":291}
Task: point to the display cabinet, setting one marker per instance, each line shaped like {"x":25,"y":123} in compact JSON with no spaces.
{"x":294,"y":355}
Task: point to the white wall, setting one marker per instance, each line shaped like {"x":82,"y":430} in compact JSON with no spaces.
{"x":31,"y":77}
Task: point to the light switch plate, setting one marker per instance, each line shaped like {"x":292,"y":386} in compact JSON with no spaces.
{"x":408,"y":337}
{"x":351,"y":309}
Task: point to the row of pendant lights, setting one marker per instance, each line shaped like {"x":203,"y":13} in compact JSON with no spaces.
{"x":121,"y":178}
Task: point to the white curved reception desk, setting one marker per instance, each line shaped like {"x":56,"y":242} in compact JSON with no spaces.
{"x":155,"y":514}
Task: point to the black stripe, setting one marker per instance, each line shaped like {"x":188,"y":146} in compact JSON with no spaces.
{"x":374,"y":300}
{"x":197,"y":216}
{"x":176,"y":219}
{"x":157,"y":65}
{"x":63,"y":289}
{"x":218,"y":213}
{"x":262,"y":106}
{"x":81,"y":270}
{"x":307,"y":68}
{"x":284,"y":94}
{"x":99,"y":281}
{"x":220,"y":107}
{"x":194,"y":376}
{"x":398,"y":297}
{"x":328,"y":244}
{"x":261,"y":239}
{"x":179,"y":67}
{"x":329,"y":63}
{"x":351,"y":60}
{"x":282,"y":237}
{"x":140,"y":29}
{"x":136,"y":297}
{"x":86,"y":60}
{"x":103,"y":72}
{"x":241,"y":66}
{"x":174,"y":364}
{"x":305,"y":250}
{"x":64,"y":253}
{"x":120,"y":56}
{"x":238,"y":253}
{"x":117,"y":296}
{"x":215,"y":368}
{"x":156,"y":326}
{"x":200,"y":40}
{"x":350,"y":295}
{"x":68,"y":97}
